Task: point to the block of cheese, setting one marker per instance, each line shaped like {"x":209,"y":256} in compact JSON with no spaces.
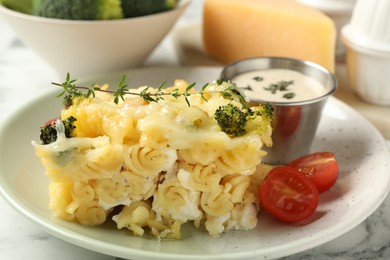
{"x":237,"y":29}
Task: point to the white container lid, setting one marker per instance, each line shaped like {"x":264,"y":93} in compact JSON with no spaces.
{"x":370,"y":18}
{"x":331,"y":6}
{"x":362,"y":43}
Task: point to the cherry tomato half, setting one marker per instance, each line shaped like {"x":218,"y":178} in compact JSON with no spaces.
{"x":321,"y":168}
{"x":51,"y":121}
{"x":288,"y":195}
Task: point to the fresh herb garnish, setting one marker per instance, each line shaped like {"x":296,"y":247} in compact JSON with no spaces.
{"x":280,"y":86}
{"x":224,"y":114}
{"x":289,"y":95}
{"x":258,"y":78}
{"x":248,"y":87}
{"x":121,"y":91}
{"x":71,"y":91}
{"x":232,"y":92}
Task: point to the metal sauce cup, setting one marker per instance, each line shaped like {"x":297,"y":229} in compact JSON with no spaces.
{"x":295,"y":122}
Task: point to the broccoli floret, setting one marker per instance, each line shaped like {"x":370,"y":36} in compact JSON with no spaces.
{"x":49,"y":132}
{"x":78,"y":9}
{"x":23,"y":6}
{"x":231,"y":120}
{"x":259,"y":118}
{"x":237,"y":122}
{"x":134,"y":8}
{"x":267,"y":110}
{"x":110,"y":9}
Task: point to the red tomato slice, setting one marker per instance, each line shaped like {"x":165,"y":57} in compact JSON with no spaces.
{"x":288,"y":195}
{"x":321,"y":168}
{"x":51,"y":121}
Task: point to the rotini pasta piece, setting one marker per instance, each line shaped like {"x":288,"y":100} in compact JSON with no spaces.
{"x":242,"y":158}
{"x":198,"y":177}
{"x":237,"y":185}
{"x":146,"y":161}
{"x":173,"y":201}
{"x":215,"y":225}
{"x":165,"y":229}
{"x":111,"y":192}
{"x":101,"y":162}
{"x":124,"y":188}
{"x":91,"y":214}
{"x":217,"y":202}
{"x":135,"y":217}
{"x":139,"y":187}
{"x":83,"y":193}
{"x":244,"y":215}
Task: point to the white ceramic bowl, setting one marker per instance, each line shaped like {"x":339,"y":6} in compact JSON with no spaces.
{"x":340,"y":11}
{"x":90,"y":47}
{"x":367,"y":39}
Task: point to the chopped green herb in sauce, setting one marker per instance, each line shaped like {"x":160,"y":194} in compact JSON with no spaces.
{"x":258,"y":78}
{"x":289,"y":95}
{"x":280,"y":86}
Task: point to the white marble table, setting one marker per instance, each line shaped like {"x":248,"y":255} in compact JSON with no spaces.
{"x":24,"y":75}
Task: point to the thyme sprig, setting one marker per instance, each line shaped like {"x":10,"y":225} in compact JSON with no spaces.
{"x":121,"y":91}
{"x":71,"y":91}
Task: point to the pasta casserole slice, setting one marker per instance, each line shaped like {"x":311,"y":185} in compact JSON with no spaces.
{"x":153,"y":165}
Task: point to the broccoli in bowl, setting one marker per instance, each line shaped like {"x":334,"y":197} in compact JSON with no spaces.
{"x":90,"y":9}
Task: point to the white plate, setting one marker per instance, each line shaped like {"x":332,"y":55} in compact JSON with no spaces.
{"x":362,"y":186}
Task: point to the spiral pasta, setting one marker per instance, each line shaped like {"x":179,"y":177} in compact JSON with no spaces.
{"x":151,"y":167}
{"x":135,"y":217}
{"x":199,"y":177}
{"x":236,"y":159}
{"x":147,"y":161}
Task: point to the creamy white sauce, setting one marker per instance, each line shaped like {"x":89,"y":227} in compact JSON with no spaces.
{"x":266,"y":85}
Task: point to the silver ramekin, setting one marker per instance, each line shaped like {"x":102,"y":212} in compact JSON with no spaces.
{"x":294,"y":123}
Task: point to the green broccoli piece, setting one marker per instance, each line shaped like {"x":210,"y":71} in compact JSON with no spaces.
{"x":235,"y":121}
{"x":22,"y":6}
{"x":231,"y":120}
{"x":78,"y":9}
{"x":134,"y":8}
{"x":49,"y":132}
{"x":258,"y":118}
